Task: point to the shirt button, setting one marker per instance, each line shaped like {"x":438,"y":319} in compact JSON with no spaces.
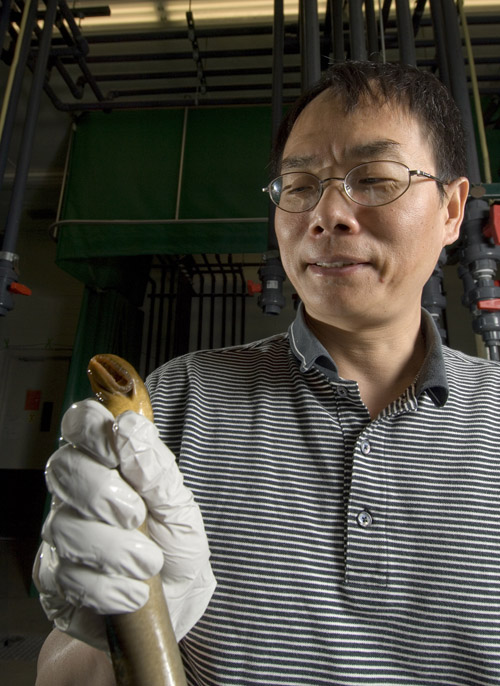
{"x":364,"y":519}
{"x":342,"y":391}
{"x":366,"y":447}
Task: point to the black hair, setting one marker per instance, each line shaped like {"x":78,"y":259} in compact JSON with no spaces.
{"x":420,"y":92}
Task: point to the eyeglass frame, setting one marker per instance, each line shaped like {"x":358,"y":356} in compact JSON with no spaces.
{"x":322,"y":182}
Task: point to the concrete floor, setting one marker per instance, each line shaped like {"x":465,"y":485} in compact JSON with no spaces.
{"x":23,"y":625}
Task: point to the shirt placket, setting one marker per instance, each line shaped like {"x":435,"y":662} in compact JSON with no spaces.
{"x":366,"y":540}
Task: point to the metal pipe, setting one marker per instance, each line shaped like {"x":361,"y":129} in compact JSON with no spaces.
{"x":371,"y":29}
{"x":356,"y":30}
{"x":75,"y":90}
{"x":4,"y":19}
{"x":224,"y":301}
{"x":386,"y":8}
{"x":277,"y":66}
{"x":234,"y":303}
{"x":108,"y":105}
{"x":243,"y":306}
{"x":139,"y":92}
{"x":407,"y":54}
{"x":201,"y":305}
{"x":161,"y":308}
{"x":15,"y":82}
{"x":211,"y":327}
{"x":381,"y":31}
{"x":478,"y":258}
{"x":80,"y":41}
{"x":418,"y":13}
{"x":337,"y":29}
{"x":149,"y":338}
{"x":181,"y":164}
{"x":180,"y":34}
{"x":458,"y":84}
{"x":171,"y":302}
{"x":209,"y":73}
{"x":276,"y":101}
{"x":475,"y":91}
{"x":290,"y":47}
{"x":309,"y":43}
{"x":12,"y":224}
{"x":440,"y":41}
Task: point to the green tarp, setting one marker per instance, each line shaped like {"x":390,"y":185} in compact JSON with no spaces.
{"x":127,"y":166}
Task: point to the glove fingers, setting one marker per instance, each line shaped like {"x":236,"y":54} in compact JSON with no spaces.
{"x":183,"y":541}
{"x":105,"y":548}
{"x":105,"y":595}
{"x":147,"y":464}
{"x":89,"y":426}
{"x":93,"y":489}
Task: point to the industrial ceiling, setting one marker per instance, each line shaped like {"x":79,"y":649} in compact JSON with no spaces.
{"x":129,"y":53}
{"x":187,"y":53}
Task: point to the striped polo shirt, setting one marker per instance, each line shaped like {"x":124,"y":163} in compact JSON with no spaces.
{"x":348,"y":551}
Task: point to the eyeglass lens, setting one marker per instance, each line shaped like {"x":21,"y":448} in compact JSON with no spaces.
{"x":371,"y":184}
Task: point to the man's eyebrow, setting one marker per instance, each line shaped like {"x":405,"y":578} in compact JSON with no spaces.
{"x":297,"y":162}
{"x":373,"y":148}
{"x":363,"y":151}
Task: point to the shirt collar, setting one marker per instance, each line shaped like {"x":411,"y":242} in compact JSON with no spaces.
{"x":431,"y":378}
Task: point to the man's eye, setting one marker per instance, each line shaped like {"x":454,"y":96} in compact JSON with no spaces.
{"x":298,"y":190}
{"x":374,"y":181}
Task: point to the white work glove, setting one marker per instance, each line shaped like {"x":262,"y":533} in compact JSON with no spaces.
{"x":92,"y":561}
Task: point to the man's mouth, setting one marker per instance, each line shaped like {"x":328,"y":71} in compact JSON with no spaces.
{"x":335,"y":265}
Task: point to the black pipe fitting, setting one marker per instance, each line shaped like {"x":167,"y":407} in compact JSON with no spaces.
{"x":272,"y":275}
{"x":434,"y":298}
{"x":479,"y":258}
{"x":8,"y":276}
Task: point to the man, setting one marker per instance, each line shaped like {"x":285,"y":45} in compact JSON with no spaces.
{"x":347,"y":472}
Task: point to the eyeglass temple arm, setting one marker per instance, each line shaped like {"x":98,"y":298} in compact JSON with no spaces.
{"x":419,"y":172}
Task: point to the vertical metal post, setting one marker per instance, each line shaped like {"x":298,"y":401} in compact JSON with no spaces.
{"x":356,"y":30}
{"x":23,"y":161}
{"x":4,"y":19}
{"x":458,"y":84}
{"x":406,"y":40}
{"x":371,"y":30}
{"x":337,"y":29}
{"x":478,"y":258}
{"x":272,"y":274}
{"x":15,"y":80}
{"x":276,"y":99}
{"x":440,"y":41}
{"x":160,"y":321}
{"x":7,"y":256}
{"x":309,"y":43}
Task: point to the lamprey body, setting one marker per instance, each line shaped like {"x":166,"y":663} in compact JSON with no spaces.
{"x":143,"y":645}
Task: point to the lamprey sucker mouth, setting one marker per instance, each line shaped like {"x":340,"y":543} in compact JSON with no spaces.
{"x":117,"y":385}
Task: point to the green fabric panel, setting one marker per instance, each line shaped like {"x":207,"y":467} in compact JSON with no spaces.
{"x":95,"y":241}
{"x":124,"y":165}
{"x":225,"y":162}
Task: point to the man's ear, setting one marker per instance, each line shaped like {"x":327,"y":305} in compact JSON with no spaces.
{"x":454,"y":204}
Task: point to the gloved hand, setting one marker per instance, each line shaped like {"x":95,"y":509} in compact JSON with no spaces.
{"x":92,"y":561}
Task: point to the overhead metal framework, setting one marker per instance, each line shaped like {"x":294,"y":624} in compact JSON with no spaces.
{"x":143,"y":54}
{"x":132,"y":55}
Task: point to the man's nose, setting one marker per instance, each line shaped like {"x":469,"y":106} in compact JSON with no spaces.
{"x":335,"y":210}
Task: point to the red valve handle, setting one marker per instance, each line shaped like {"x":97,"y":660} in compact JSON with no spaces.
{"x":19,"y":288}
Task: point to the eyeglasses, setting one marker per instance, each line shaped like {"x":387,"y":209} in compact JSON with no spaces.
{"x":371,"y":184}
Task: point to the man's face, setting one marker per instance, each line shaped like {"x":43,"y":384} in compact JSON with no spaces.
{"x":352,"y":265}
